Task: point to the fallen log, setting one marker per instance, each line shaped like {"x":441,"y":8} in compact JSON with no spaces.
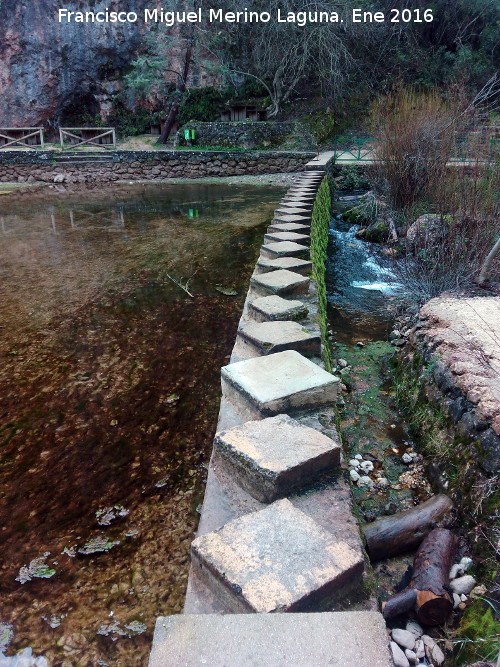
{"x":427,"y":593}
{"x":395,"y":534}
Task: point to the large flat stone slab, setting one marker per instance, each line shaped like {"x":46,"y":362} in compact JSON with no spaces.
{"x":281,"y":282}
{"x":280,"y":382}
{"x":272,"y":308}
{"x":295,"y":264}
{"x":284,"y":249}
{"x":274,"y":456}
{"x":297,"y":227}
{"x":275,"y":560}
{"x":298,"y":198}
{"x":333,"y":639}
{"x":285,"y":217}
{"x":276,"y":237}
{"x":292,"y":210}
{"x":272,"y":337}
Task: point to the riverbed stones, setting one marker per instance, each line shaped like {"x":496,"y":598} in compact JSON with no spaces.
{"x":281,"y":282}
{"x":273,"y":456}
{"x":273,"y":237}
{"x":295,"y":264}
{"x":279,"y":382}
{"x":275,"y":560}
{"x":404,"y":638}
{"x":339,"y":639}
{"x":284,"y":249}
{"x":463,"y":585}
{"x":400,"y":659}
{"x":272,"y":337}
{"x":274,"y":308}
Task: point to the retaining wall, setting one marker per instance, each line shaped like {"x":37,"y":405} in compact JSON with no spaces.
{"x":56,"y":167}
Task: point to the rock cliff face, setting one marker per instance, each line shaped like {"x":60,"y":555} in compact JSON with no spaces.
{"x":47,"y":67}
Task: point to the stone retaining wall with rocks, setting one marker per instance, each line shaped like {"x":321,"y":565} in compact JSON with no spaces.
{"x":56,"y":167}
{"x":287,"y":135}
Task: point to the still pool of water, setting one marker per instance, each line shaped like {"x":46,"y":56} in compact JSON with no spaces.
{"x":117,"y":309}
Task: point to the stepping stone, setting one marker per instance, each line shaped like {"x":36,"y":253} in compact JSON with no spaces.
{"x":279,"y":382}
{"x":274,"y":456}
{"x":294,"y":264}
{"x":293,"y":211}
{"x":272,"y":337}
{"x":275,"y":560}
{"x":273,"y":237}
{"x":281,"y":282}
{"x":338,"y":639}
{"x":284,"y":249}
{"x":286,"y":217}
{"x":273,"y":308}
{"x":299,"y":198}
{"x":296,"y":227}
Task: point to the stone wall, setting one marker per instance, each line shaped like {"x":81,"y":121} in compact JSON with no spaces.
{"x":289,"y":135}
{"x":55,"y":167}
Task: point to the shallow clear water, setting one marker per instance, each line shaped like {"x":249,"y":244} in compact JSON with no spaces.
{"x":109,"y":393}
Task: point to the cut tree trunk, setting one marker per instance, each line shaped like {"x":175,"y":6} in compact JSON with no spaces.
{"x":428,"y":592}
{"x":393,"y":535}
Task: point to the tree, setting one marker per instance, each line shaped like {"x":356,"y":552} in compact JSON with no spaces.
{"x":160,"y":73}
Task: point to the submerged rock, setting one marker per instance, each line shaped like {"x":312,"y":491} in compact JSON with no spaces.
{"x":106,"y":516}
{"x":97,"y":545}
{"x":37,"y":569}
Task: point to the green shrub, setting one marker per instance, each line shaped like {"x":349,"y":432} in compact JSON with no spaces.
{"x":200,"y":104}
{"x":319,"y":243}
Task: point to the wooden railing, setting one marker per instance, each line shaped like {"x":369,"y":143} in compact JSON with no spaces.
{"x":74,"y":137}
{"x":26,"y":137}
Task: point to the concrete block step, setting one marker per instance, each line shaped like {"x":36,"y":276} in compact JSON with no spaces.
{"x":293,"y":211}
{"x":273,"y":308}
{"x":295,"y":264}
{"x":297,"y":227}
{"x":284,"y":249}
{"x":298,"y":198}
{"x":292,"y":217}
{"x":272,"y":457}
{"x":281,"y":382}
{"x":272,"y":337}
{"x":281,"y":282}
{"x":338,"y":639}
{"x":277,"y":559}
{"x":274,"y":237}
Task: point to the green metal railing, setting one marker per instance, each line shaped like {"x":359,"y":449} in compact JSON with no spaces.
{"x":468,"y":148}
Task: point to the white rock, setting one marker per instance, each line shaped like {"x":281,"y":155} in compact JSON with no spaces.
{"x":366,"y":466}
{"x":383,"y":482}
{"x":413,"y":455}
{"x":456,"y":571}
{"x":420,"y":649}
{"x":358,"y":456}
{"x":354,"y":475}
{"x":456,"y":600}
{"x":411,"y":655}
{"x":466,"y":562}
{"x":400,"y":660}
{"x":406,"y":458}
{"x":415,"y":628}
{"x":365,"y":481}
{"x":404,"y":638}
{"x":463,"y":585}
{"x":354,"y":463}
{"x":463,"y":597}
{"x":342,"y":363}
{"x":434,"y":655}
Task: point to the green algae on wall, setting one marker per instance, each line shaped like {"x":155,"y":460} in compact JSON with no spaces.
{"x":319,"y":244}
